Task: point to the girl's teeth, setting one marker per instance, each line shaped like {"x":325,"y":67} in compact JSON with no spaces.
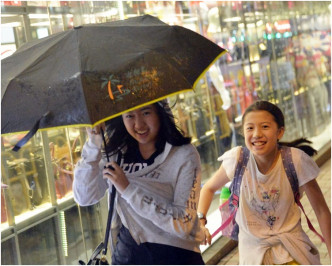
{"x":258,"y":143}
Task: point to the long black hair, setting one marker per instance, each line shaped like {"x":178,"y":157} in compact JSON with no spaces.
{"x":274,"y":110}
{"x":118,"y":137}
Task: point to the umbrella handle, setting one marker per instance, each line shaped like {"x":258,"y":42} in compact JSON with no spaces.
{"x":112,"y":197}
{"x":104,"y":140}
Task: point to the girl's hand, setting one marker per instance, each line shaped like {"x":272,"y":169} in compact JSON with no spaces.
{"x":208,"y":237}
{"x":96,"y":130}
{"x":114,"y":172}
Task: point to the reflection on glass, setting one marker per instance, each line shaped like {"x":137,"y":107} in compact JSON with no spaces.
{"x":38,"y":245}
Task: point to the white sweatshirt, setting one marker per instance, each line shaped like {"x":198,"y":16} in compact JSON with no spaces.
{"x":160,"y":203}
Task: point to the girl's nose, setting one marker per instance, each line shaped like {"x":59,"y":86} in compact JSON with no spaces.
{"x":257,"y":133}
{"x":139,"y":122}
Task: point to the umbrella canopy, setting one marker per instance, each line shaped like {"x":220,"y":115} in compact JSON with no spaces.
{"x":94,"y":72}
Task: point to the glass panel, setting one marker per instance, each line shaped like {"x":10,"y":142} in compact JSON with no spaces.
{"x":24,"y":173}
{"x":8,"y":253}
{"x":94,"y":231}
{"x":73,"y":245}
{"x":38,"y":245}
{"x":71,"y":233}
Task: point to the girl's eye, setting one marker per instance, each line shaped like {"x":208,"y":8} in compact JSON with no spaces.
{"x":249,"y":128}
{"x":129,"y":116}
{"x":265,"y":126}
{"x":146,"y":113}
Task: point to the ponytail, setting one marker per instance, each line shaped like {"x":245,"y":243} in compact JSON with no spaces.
{"x":302,"y":144}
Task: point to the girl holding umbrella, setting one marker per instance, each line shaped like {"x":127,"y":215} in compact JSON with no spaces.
{"x":158,"y":182}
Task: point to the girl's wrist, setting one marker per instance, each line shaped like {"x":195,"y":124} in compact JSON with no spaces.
{"x":202,"y":218}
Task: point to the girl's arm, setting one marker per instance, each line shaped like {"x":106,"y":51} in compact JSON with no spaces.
{"x":218,"y":180}
{"x":89,"y":187}
{"x":323,"y":214}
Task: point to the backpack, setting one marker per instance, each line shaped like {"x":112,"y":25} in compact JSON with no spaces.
{"x":229,"y":227}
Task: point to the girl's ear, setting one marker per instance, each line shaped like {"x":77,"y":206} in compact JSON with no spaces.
{"x":281,"y":132}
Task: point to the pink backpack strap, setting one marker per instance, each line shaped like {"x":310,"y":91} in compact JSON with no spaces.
{"x":311,"y":227}
{"x":227,"y":221}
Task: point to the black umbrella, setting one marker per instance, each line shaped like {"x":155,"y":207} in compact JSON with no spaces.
{"x":94,"y":72}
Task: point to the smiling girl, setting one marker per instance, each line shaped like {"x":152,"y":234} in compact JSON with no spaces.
{"x":158,"y":183}
{"x":269,"y":220}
